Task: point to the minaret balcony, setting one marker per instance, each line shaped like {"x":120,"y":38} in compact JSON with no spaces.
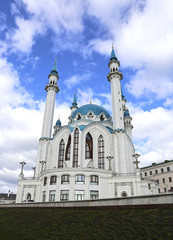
{"x":111,"y":75}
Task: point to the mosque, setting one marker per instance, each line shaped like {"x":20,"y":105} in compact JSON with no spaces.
{"x":93,"y":157}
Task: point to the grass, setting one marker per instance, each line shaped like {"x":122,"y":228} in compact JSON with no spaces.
{"x":76,"y":224}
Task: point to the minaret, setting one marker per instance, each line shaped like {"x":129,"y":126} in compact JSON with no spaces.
{"x":52,"y":89}
{"x":74,"y":104}
{"x":114,"y":77}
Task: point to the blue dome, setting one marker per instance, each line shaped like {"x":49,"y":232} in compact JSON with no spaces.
{"x":126,"y":113}
{"x":97,"y":110}
{"x":58,"y":123}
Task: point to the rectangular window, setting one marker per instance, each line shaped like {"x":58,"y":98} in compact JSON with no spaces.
{"x":52,"y":195}
{"x":158,"y":190}
{"x":94,"y":194}
{"x":150,"y":172}
{"x":53,"y":180}
{"x":64,"y":195}
{"x":168,"y":169}
{"x":162,"y":170}
{"x":163,"y":180}
{"x":45,"y":181}
{"x":149,"y":186}
{"x":94,"y":180}
{"x":164,"y":190}
{"x":44,"y":197}
{"x":79,"y":195}
{"x":80,"y":179}
{"x":145,"y":174}
{"x":170,"y":179}
{"x":157,"y":181}
{"x":156,"y":171}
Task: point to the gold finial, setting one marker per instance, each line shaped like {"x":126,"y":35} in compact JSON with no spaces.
{"x":90,"y":100}
{"x":112,"y":46}
{"x":59,"y":117}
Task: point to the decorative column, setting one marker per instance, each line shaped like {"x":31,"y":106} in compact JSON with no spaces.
{"x":21,"y":175}
{"x":109,"y":158}
{"x":42,"y":164}
{"x":34,"y":171}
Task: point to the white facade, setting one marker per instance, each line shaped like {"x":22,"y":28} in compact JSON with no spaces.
{"x":91,"y":157}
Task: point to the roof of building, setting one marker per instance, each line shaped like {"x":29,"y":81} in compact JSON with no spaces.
{"x":6,"y":196}
{"x":158,"y":164}
{"x":85,"y":109}
{"x":113,"y":56}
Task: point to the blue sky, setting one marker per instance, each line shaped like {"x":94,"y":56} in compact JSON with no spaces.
{"x":81,"y":33}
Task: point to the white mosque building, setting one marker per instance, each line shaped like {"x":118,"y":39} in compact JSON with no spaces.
{"x":93,"y":157}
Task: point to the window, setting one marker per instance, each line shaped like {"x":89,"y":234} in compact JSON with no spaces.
{"x":158,"y":190}
{"x":65,"y":179}
{"x":44,"y":197}
{"x":157,"y":181}
{"x":156,"y":171}
{"x":79,"y":195}
{"x":75,"y":150}
{"x":149,"y":186}
{"x":101,"y":160}
{"x":61,"y":154}
{"x":101,"y":117}
{"x":64,"y":195}
{"x":164,"y":190}
{"x":145,"y":174}
{"x":168,"y":169}
{"x":68,"y":149}
{"x":45,"y":181}
{"x":80,"y":179}
{"x":170,"y":179}
{"x":52,"y":196}
{"x":150,"y":172}
{"x":94,"y":194}
{"x":88,"y":146}
{"x":28,"y":196}
{"x":94,"y":180}
{"x":162,"y":170}
{"x":53,"y":180}
{"x":163,"y":180}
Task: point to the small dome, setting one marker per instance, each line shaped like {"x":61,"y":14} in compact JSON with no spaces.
{"x":85,"y":109}
{"x":126,"y":113}
{"x":58,"y":123}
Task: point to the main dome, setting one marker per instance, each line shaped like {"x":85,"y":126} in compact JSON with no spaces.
{"x":95,"y":109}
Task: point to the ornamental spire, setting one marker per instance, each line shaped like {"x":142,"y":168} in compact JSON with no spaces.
{"x":55,"y":65}
{"x":113,"y":56}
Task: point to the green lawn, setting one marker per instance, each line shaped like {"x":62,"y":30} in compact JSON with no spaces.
{"x":62,"y":224}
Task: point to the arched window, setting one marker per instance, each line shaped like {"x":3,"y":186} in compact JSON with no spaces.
{"x":61,"y":154}
{"x":89,"y":146}
{"x":78,"y":117}
{"x":75,"y":149}
{"x":101,"y":159}
{"x":45,"y":181}
{"x":65,"y":179}
{"x":101,"y":118}
{"x":53,"y":180}
{"x":94,"y":180}
{"x":68,"y":149}
{"x":28,"y":197}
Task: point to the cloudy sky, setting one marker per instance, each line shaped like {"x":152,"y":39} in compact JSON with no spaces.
{"x":80,"y":33}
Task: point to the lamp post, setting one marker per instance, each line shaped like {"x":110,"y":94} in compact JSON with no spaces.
{"x":136,"y":162}
{"x":109,"y":158}
{"x":42,"y":164}
{"x":22,"y":166}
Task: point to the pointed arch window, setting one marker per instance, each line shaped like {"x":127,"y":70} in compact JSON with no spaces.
{"x":88,"y":146}
{"x":68,"y":149}
{"x":102,"y":117}
{"x":75,"y":149}
{"x":101,"y":158}
{"x":61,"y":154}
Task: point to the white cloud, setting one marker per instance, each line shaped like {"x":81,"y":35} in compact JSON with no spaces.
{"x":77,"y":79}
{"x":152,"y":134}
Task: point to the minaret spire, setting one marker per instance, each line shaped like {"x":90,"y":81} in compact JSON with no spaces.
{"x":114,"y":77}
{"x":74,"y":104}
{"x":52,"y":89}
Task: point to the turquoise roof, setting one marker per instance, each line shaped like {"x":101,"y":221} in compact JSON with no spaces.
{"x":113,"y":56}
{"x":97,"y":110}
{"x":54,"y":70}
{"x":74,"y":104}
{"x":58,"y":123}
{"x":126,"y":113}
